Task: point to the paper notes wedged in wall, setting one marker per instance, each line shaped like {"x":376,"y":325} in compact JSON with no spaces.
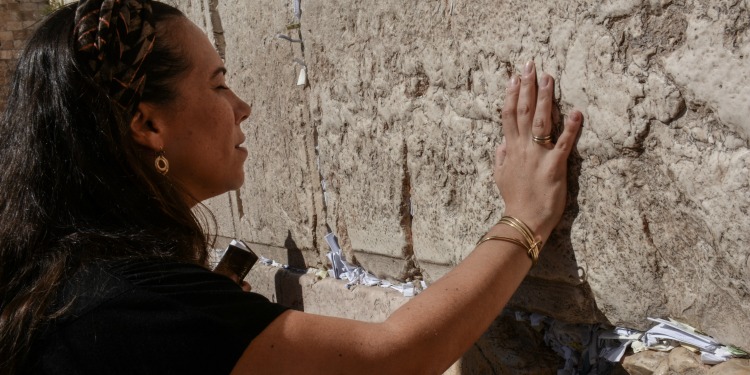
{"x":665,"y":336}
{"x":302,"y":79}
{"x":341,"y":269}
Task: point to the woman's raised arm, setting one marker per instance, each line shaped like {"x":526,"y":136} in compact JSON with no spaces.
{"x":431,"y":331}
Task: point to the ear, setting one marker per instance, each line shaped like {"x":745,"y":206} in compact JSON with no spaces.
{"x":145,"y":129}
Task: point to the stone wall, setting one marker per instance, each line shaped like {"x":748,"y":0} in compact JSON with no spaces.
{"x":17,"y":20}
{"x":399,"y":119}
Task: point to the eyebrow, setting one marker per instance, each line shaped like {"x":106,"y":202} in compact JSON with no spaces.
{"x":220,"y":70}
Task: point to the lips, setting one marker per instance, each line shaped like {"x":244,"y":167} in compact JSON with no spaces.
{"x":241,"y":148}
{"x":239,"y":145}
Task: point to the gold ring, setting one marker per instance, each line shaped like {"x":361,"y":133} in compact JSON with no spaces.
{"x":542,"y":140}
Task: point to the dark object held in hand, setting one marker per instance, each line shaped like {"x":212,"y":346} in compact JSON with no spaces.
{"x":237,"y":261}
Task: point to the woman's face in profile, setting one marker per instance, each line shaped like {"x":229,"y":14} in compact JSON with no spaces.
{"x":202,"y":135}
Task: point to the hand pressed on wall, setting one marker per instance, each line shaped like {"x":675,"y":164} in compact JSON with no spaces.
{"x":532,"y":173}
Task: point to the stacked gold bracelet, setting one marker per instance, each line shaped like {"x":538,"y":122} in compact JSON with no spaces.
{"x":532,"y":246}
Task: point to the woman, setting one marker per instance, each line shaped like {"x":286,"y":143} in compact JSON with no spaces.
{"x":119,"y":121}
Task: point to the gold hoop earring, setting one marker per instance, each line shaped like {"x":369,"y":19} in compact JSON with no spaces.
{"x":161,"y":163}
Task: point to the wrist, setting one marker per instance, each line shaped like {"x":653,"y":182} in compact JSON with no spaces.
{"x":540,"y":229}
{"x":511,"y":229}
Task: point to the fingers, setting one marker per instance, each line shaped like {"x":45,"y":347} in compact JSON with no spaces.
{"x":567,"y":139}
{"x":527,"y":109}
{"x":542,"y":124}
{"x":246,"y":286}
{"x":527,"y":101}
{"x":510,"y":124}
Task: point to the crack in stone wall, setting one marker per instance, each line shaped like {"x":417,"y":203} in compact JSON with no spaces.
{"x":412,"y":269}
{"x":216,"y":28}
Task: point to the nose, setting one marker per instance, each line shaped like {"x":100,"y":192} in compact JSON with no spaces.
{"x":242,"y":110}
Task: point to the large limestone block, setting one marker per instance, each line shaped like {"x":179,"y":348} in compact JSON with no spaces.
{"x":328,"y":297}
{"x":683,"y":361}
{"x":645,"y":363}
{"x":664,"y":193}
{"x":732,"y":367}
{"x":361,"y":141}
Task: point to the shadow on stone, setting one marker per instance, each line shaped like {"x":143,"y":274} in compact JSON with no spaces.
{"x":510,"y":347}
{"x":288,"y":288}
{"x":293,"y":253}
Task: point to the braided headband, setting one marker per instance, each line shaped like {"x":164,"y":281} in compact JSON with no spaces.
{"x":113,"y":37}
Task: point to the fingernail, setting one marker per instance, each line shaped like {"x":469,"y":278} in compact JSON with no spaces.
{"x":513,"y":81}
{"x":529,"y":67}
{"x":545,"y":81}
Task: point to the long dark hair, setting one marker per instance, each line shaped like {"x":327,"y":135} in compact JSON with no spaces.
{"x":74,"y":186}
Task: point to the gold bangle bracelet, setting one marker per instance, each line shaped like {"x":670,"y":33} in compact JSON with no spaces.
{"x":506,"y":239}
{"x":532,"y":252}
{"x":533,"y":247}
{"x":519,"y":226}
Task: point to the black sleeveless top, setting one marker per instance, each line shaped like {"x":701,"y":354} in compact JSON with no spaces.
{"x":150,"y":317}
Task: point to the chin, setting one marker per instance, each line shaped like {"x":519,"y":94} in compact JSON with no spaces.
{"x":238,"y":182}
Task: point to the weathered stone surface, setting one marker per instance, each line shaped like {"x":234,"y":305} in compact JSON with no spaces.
{"x":731,"y":367}
{"x":400,"y":122}
{"x":683,"y":361}
{"x":645,"y":363}
{"x":680,"y":361}
{"x":325,"y":297}
{"x":664,"y":183}
{"x":219,"y":215}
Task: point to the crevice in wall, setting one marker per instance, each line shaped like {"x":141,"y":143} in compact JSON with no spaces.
{"x":235,"y":229}
{"x":216,"y":28}
{"x":240,"y":209}
{"x":411,"y":270}
{"x":312,"y":155}
{"x":316,"y":219}
{"x":321,"y":179}
{"x":649,"y":237}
